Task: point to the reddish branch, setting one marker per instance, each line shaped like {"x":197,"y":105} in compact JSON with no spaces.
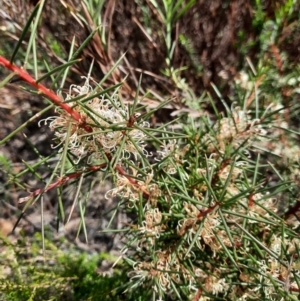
{"x":47,"y":92}
{"x":276,"y":52}
{"x":60,"y":182}
{"x":251,"y":200}
{"x":63,"y":180}
{"x":198,"y":295}
{"x":203,"y":213}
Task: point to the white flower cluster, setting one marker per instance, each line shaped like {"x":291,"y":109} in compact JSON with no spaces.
{"x":236,"y":130}
{"x":130,"y":189}
{"x":109,"y":120}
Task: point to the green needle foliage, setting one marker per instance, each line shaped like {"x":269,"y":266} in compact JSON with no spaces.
{"x":209,"y":225}
{"x":205,"y":221}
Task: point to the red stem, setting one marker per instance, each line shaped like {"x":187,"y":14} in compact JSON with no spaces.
{"x":203,"y":213}
{"x":59,"y":182}
{"x":47,"y":92}
{"x":75,"y":175}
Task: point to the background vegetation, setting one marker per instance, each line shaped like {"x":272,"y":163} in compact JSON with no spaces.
{"x":212,"y":215}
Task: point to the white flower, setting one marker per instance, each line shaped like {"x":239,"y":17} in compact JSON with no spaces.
{"x":110,"y":121}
